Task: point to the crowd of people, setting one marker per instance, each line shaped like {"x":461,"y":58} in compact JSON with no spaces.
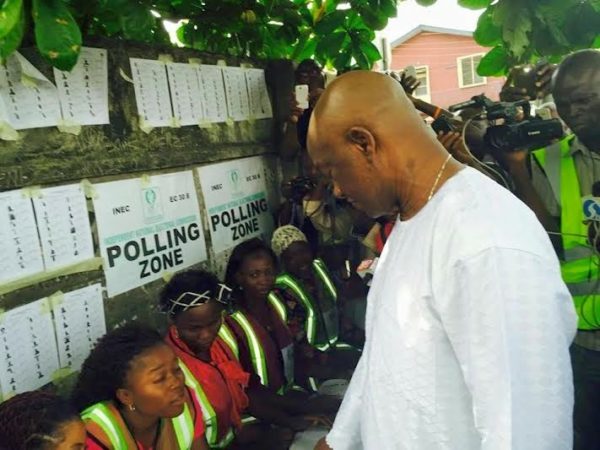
{"x":482,"y":323}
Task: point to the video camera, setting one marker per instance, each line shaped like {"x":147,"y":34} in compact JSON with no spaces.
{"x":515,"y":133}
{"x":296,"y":188}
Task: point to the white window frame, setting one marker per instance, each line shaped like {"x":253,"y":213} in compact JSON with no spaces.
{"x":459,"y":61}
{"x":424,"y":97}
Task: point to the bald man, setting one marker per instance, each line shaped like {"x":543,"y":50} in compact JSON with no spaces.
{"x":468,"y":320}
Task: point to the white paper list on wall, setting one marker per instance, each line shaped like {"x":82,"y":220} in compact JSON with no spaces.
{"x":186,"y":93}
{"x":19,"y":243}
{"x":64,"y":226}
{"x":79,"y":322}
{"x":151,"y":92}
{"x":213,"y":91}
{"x":83,"y":92}
{"x":29,"y":355}
{"x":238,"y":105}
{"x":260,"y":103}
{"x":29,"y":98}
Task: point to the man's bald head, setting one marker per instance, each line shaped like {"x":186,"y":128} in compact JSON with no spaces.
{"x":365,"y":133}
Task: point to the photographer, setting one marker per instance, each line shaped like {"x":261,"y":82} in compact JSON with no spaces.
{"x":552,"y":182}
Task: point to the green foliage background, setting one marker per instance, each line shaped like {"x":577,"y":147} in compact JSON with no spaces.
{"x":338,"y":33}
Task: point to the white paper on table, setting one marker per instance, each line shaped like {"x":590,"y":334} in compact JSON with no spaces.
{"x":29,"y":357}
{"x":238,"y":104}
{"x":213,"y":90}
{"x":34,"y":104}
{"x":151,"y":92}
{"x":83,"y":92}
{"x":186,"y":93}
{"x":64,"y":226}
{"x":79,"y":322}
{"x":307,"y":439}
{"x":19,"y":242}
{"x":260,"y":103}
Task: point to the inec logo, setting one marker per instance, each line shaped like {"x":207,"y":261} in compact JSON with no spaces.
{"x":591,"y":208}
{"x":152,"y":205}
{"x":235,"y":182}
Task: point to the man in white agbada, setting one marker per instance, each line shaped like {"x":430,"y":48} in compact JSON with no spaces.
{"x":468,"y":321}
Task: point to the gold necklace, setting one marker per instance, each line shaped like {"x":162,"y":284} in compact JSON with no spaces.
{"x":437,"y":179}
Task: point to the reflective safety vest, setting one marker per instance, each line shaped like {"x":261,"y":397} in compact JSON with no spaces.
{"x":579,"y":266}
{"x":211,"y":430}
{"x":321,"y":327}
{"x":106,"y":417}
{"x":229,"y":338}
{"x":257,"y":354}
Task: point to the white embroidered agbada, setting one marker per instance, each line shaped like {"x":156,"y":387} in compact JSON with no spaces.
{"x":468,"y":332}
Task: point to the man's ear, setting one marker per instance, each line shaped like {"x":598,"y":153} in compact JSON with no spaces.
{"x":363,"y":139}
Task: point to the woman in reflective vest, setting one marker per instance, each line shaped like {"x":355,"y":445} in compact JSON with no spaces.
{"x":132,"y":395}
{"x":579,"y":265}
{"x":259,"y":318}
{"x":194,"y":301}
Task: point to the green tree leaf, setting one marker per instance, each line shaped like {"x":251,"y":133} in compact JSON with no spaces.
{"x":487,"y":32}
{"x":57,"y":35}
{"x":494,"y":63}
{"x":12,"y":40}
{"x":474,"y":4}
{"x":10,"y":14}
{"x":330,"y":22}
{"x":426,"y":2}
{"x":515,"y":32}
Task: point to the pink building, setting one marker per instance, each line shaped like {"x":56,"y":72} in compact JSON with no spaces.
{"x":445,"y":61}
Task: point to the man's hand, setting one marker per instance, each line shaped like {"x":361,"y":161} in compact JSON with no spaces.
{"x":454,"y":144}
{"x":322,"y":445}
{"x":514,"y":162}
{"x":295,"y":110}
{"x":510,"y":93}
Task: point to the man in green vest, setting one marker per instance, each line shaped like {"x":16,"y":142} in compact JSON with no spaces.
{"x":553,"y":182}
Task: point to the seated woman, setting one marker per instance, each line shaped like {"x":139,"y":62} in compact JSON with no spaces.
{"x":259,"y":319}
{"x":132,"y":395}
{"x":194,"y":301}
{"x":312,"y":300}
{"x":40,"y":420}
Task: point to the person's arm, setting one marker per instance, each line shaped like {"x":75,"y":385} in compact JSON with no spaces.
{"x":345,"y":434}
{"x":510,"y":321}
{"x":516,"y":165}
{"x":290,"y":145}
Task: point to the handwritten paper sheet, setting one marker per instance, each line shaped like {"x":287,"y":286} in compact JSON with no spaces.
{"x":19,"y":243}
{"x":238,"y":105}
{"x":260,"y":103}
{"x":79,"y":322}
{"x":213,"y":90}
{"x":29,"y":98}
{"x":64,"y":226}
{"x":28,"y":356}
{"x":151,"y":92}
{"x":186,"y":93}
{"x":83,"y":92}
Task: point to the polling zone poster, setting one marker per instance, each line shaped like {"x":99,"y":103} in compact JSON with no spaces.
{"x":235,"y":195}
{"x":147,"y":226}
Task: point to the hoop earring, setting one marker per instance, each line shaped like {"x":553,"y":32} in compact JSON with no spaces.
{"x":132,"y":407}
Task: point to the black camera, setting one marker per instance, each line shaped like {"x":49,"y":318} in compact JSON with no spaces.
{"x":297,"y":188}
{"x":515,"y":133}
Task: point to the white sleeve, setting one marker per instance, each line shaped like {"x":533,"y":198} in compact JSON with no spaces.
{"x":345,"y":434}
{"x":510,"y":321}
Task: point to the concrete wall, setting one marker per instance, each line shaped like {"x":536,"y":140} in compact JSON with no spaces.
{"x":439,"y":52}
{"x":48,"y":157}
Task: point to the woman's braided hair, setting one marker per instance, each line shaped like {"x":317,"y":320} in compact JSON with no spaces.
{"x":33,"y":421}
{"x":105,"y":369}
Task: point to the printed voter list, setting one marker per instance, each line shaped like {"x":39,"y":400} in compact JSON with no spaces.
{"x":147,"y":226}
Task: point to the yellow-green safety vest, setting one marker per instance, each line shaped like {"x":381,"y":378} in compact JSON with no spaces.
{"x":257,"y":355}
{"x":579,"y":265}
{"x":101,"y":414}
{"x":229,"y":338}
{"x":211,"y":430}
{"x":324,"y":340}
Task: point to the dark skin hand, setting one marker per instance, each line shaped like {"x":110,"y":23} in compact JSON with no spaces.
{"x":543,"y":85}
